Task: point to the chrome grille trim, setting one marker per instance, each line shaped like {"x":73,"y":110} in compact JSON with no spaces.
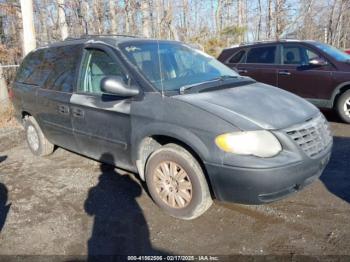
{"x":313,"y":136}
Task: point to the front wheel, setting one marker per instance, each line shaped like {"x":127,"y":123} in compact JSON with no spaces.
{"x":176,"y":182}
{"x":343,"y":106}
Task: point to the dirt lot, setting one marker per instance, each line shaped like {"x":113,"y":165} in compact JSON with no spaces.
{"x":67,"y":204}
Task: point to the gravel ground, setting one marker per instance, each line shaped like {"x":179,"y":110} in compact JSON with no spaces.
{"x":66,"y":204}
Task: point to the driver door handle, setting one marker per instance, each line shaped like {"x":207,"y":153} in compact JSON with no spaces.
{"x":284,"y":73}
{"x":240,"y":71}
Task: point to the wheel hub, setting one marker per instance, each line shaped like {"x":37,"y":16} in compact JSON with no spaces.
{"x":347,"y":107}
{"x":173,"y":184}
{"x":33,"y":138}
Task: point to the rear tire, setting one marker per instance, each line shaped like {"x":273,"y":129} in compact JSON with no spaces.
{"x":343,"y":107}
{"x":36,"y":140}
{"x":176,"y":182}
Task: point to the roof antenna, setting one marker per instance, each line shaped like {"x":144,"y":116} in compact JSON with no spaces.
{"x":160,"y":70}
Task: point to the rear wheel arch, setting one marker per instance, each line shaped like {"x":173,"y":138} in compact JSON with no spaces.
{"x":25,"y":114}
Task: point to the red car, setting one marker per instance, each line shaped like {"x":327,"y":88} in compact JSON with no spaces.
{"x":313,"y":70}
{"x":347,"y":51}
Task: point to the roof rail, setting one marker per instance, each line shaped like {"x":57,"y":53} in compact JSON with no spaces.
{"x":85,"y":36}
{"x":267,"y":41}
{"x":106,"y":35}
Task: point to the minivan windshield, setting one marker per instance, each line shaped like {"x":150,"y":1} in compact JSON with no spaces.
{"x":172,"y":66}
{"x":333,"y":52}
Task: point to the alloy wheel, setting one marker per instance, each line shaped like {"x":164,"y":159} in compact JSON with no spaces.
{"x":173,"y":184}
{"x":347,"y":107}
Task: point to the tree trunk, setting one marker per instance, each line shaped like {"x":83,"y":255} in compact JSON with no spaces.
{"x":146,"y":21}
{"x":112,"y":17}
{"x":218,"y":16}
{"x":29,"y":42}
{"x":260,"y":18}
{"x":269,"y":20}
{"x":62,"y":24}
{"x":4,"y":97}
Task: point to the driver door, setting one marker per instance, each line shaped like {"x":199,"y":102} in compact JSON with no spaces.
{"x":101,"y":122}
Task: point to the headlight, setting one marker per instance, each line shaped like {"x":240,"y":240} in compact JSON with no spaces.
{"x":258,"y":143}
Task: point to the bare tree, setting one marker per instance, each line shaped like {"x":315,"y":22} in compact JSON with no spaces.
{"x":146,"y":18}
{"x":112,"y":16}
{"x":269,"y":20}
{"x":218,"y":16}
{"x":260,"y":19}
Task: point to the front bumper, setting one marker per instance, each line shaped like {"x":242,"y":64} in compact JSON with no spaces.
{"x":263,"y":185}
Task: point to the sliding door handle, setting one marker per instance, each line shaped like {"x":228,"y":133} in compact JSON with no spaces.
{"x":63,"y":109}
{"x":77,"y":112}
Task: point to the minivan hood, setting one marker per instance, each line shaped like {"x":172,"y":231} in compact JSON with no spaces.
{"x":255,"y":106}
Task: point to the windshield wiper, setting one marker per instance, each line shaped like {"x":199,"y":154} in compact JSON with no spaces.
{"x":220,"y":78}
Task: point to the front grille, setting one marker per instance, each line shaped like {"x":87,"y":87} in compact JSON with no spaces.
{"x":313,"y":136}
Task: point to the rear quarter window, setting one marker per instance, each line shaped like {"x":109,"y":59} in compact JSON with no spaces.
{"x":237,"y":57}
{"x":30,"y":71}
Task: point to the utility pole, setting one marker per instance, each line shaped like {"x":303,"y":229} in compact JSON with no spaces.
{"x":62,"y":24}
{"x":29,"y":42}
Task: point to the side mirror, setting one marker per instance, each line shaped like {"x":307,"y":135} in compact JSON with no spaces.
{"x":116,"y":86}
{"x":318,"y":61}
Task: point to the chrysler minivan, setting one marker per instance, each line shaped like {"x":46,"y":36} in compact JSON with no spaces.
{"x":191,"y":127}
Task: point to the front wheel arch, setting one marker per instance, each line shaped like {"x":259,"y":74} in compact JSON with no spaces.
{"x":153,"y":142}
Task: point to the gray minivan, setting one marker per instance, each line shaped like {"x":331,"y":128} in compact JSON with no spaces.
{"x":192,"y":128}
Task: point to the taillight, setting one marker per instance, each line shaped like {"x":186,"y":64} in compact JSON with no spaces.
{"x":11,"y":93}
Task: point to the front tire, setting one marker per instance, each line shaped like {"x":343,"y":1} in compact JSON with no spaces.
{"x":176,"y":182}
{"x":343,"y":107}
{"x":36,"y":140}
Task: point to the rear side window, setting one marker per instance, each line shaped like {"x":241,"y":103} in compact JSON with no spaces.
{"x":62,"y":63}
{"x":237,"y":57}
{"x":262,"y":55}
{"x":51,"y":68}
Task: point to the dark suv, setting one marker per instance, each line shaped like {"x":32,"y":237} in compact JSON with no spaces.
{"x":313,"y":70}
{"x":189,"y":125}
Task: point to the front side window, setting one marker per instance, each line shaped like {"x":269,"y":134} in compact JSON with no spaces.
{"x":170,"y":66}
{"x":97,"y":65}
{"x":262,"y":55}
{"x":297,"y":55}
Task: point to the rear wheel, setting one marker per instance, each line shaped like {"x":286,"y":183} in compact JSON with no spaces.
{"x":176,"y":182}
{"x":343,"y":106}
{"x":36,"y":140}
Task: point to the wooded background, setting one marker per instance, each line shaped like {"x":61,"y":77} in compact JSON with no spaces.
{"x":211,"y":24}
